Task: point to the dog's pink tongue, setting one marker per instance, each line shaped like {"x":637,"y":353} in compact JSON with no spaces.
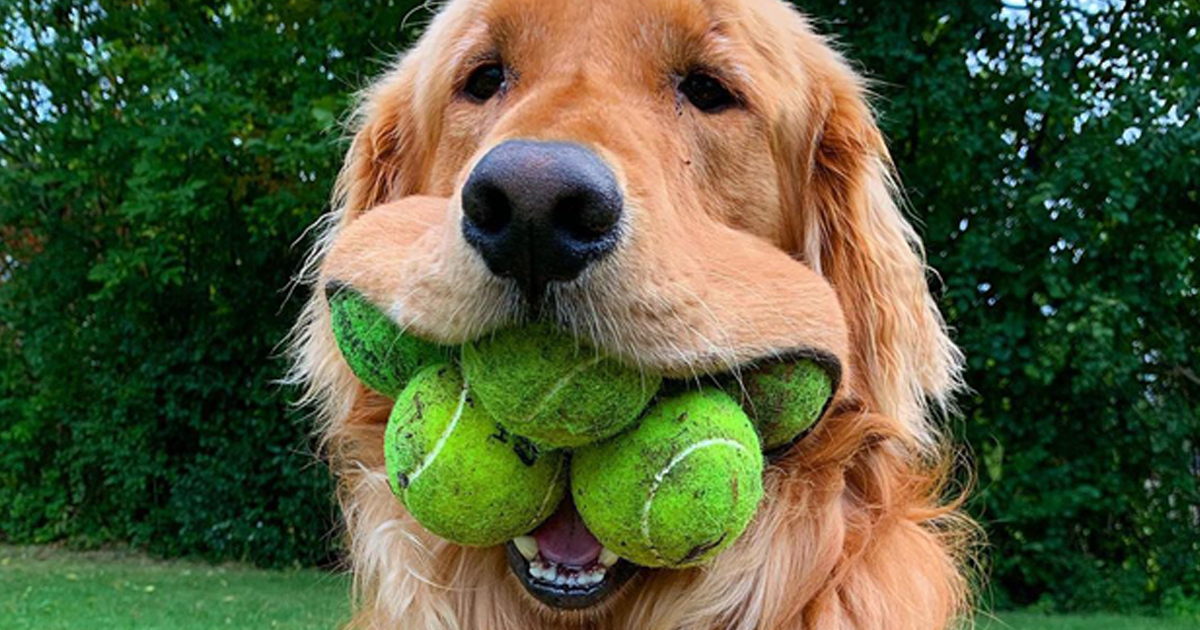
{"x":564,"y":539}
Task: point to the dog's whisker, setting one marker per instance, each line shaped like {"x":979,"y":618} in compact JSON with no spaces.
{"x":592,"y":315}
{"x":720,"y":348}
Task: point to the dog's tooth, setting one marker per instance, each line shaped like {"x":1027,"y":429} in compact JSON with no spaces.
{"x":607,"y":557}
{"x":573,"y":579}
{"x":551,"y":574}
{"x":527,"y":545}
{"x":535,"y":569}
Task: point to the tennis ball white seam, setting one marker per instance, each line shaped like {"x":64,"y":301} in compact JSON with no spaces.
{"x":559,"y":384}
{"x":549,"y":492}
{"x":662,"y":474}
{"x":442,"y":439}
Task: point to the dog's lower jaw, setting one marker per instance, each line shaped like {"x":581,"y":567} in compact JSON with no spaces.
{"x":569,"y":599}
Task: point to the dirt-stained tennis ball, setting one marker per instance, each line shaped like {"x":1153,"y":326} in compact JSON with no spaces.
{"x":785,"y":399}
{"x":676,"y":490}
{"x":461,"y":475}
{"x":539,"y":383}
{"x":381,"y":355}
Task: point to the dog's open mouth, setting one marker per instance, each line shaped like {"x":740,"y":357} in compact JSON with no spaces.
{"x":483,"y":439}
{"x":563,"y":565}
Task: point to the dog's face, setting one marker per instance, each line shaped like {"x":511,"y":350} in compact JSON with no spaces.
{"x":633,"y":193}
{"x":690,"y":185}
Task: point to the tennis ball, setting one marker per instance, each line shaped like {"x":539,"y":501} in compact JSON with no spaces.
{"x":459,"y":474}
{"x":785,"y":399}
{"x":381,"y":355}
{"x":539,"y":383}
{"x":676,"y":490}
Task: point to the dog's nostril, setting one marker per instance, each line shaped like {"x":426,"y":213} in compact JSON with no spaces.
{"x":582,"y":219}
{"x":492,"y":212}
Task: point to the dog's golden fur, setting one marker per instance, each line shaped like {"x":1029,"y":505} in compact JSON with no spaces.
{"x":750,"y":232}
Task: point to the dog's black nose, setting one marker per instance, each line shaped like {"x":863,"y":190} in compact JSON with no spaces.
{"x":541,"y":211}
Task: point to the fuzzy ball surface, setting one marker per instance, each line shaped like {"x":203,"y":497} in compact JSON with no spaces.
{"x":461,"y":475}
{"x":539,"y":383}
{"x":676,"y":490}
{"x":785,"y":399}
{"x":382,"y":356}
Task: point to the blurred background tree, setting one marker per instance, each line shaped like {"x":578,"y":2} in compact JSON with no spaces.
{"x":159,"y":163}
{"x":1051,"y":152}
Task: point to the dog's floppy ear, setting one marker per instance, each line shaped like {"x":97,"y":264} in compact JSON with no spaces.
{"x":385,"y":161}
{"x":852,"y":230}
{"x":385,"y":158}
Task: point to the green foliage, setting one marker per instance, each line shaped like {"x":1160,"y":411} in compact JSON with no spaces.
{"x":159,"y":160}
{"x":1052,"y":155}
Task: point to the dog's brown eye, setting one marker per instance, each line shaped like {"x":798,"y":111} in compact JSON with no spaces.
{"x":706,"y":93}
{"x":484,"y":82}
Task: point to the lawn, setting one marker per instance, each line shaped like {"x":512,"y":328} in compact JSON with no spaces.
{"x":1033,"y":621}
{"x":48,"y":589}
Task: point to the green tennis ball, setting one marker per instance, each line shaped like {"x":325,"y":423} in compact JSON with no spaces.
{"x":459,"y":474}
{"x":676,"y":490}
{"x":785,"y":399}
{"x":381,"y":355}
{"x":539,"y":383}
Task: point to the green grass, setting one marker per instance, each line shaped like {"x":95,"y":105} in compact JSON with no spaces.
{"x":50,"y":589}
{"x":1034,"y":621}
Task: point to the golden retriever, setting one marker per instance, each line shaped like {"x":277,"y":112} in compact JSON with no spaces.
{"x":692,"y":186}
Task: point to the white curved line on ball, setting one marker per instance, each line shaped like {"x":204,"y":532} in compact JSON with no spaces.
{"x":549,"y":492}
{"x":662,"y":474}
{"x":437,"y":448}
{"x":559,"y":384}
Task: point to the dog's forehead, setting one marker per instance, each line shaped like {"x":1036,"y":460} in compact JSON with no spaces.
{"x":673,"y":30}
{"x":592,"y":15}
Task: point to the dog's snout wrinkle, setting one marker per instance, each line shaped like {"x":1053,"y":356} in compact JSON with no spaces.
{"x":539,"y":212}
